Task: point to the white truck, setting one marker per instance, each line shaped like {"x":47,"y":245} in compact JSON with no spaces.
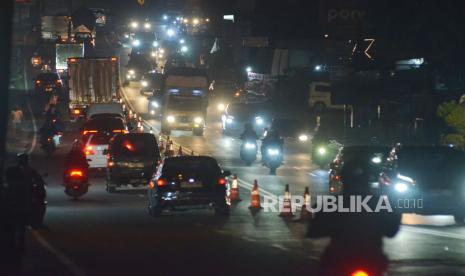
{"x":64,"y":51}
{"x":92,"y":80}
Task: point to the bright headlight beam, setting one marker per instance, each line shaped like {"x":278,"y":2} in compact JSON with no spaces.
{"x":250,"y":146}
{"x":273,"y":151}
{"x":144,"y":83}
{"x":221,"y":107}
{"x":401,"y":187}
{"x":198,"y":120}
{"x":136,"y":43}
{"x":322,"y":151}
{"x":376,"y":160}
{"x":259,"y":120}
{"x":170,"y":119}
{"x":303,"y":138}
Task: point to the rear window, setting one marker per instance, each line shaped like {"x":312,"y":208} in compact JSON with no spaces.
{"x":204,"y":169}
{"x":131,"y":145}
{"x":104,"y":124}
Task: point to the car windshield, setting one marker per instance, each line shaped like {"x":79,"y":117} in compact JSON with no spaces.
{"x":204,"y":169}
{"x":130,"y":145}
{"x":184,"y":103}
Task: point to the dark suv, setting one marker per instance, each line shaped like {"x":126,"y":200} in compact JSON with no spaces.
{"x":187,"y":182}
{"x":132,"y":159}
{"x":48,"y":82}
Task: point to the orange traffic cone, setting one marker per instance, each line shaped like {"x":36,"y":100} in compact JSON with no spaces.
{"x":286,"y":211}
{"x":255,"y":197}
{"x":180,"y":151}
{"x":305,"y":213}
{"x":234,"y":195}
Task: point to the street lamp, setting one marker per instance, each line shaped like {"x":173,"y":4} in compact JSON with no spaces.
{"x":318,"y":68}
{"x":184,"y":49}
{"x":165,"y":17}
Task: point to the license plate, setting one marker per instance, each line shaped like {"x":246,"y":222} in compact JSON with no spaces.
{"x":195,"y":184}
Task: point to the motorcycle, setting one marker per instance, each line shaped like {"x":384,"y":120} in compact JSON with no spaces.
{"x":76,"y":183}
{"x":324,"y":153}
{"x":50,"y":144}
{"x":273,"y":157}
{"x":249,"y":151}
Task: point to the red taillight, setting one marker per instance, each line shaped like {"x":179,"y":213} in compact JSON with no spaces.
{"x":37,"y":82}
{"x":89,"y":150}
{"x":76,"y":173}
{"x":151,"y":184}
{"x":120,"y":131}
{"x":89,"y":131}
{"x":77,"y":112}
{"x":161,"y":182}
{"x":222,"y":181}
{"x":360,"y":272}
{"x":58,"y":82}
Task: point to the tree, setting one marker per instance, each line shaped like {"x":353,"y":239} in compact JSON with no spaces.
{"x":453,"y":115}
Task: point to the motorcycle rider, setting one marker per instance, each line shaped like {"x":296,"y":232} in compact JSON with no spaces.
{"x":248,"y":133}
{"x":76,"y":159}
{"x":272,"y":138}
{"x":354,"y":236}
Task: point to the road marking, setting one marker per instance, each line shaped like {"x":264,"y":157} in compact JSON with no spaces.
{"x":72,"y":267}
{"x":282,"y":247}
{"x":433,"y":233}
{"x":34,"y":126}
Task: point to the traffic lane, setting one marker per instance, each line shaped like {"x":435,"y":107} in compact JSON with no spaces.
{"x":295,"y":170}
{"x":117,"y":227}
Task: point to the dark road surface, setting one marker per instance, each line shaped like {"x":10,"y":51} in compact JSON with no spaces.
{"x":112,"y":234}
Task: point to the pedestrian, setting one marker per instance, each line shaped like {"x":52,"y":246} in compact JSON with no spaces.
{"x":16,"y":119}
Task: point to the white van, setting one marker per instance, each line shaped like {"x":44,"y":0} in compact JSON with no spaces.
{"x":115,"y":109}
{"x":319,"y":97}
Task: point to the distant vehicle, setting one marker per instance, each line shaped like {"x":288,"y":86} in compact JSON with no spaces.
{"x":110,"y":124}
{"x":54,"y":27}
{"x":186,"y":182}
{"x":150,"y":83}
{"x":85,"y":36}
{"x":292,"y":129}
{"x":91,"y":80}
{"x":319,"y":97}
{"x":185,"y":100}
{"x":64,"y":51}
{"x":375,"y":155}
{"x":236,"y":115}
{"x":110,"y":109}
{"x":138,"y":65}
{"x":48,"y":82}
{"x":433,"y":174}
{"x":133,"y":158}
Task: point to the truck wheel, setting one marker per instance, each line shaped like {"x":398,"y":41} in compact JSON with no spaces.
{"x":197,"y":131}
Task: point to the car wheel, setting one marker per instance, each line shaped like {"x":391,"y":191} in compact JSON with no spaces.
{"x":459,"y":218}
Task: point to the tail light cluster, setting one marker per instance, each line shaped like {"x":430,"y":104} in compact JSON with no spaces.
{"x":76,"y":173}
{"x":222,"y":181}
{"x":89,"y":150}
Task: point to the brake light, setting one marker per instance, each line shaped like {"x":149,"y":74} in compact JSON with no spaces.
{"x":151,"y":184}
{"x":72,"y":60}
{"x":114,"y":59}
{"x":58,"y":82}
{"x":89,"y":131}
{"x":111,"y":164}
{"x":222,"y":181}
{"x":77,"y":112}
{"x":89,"y":150}
{"x":161,"y":182}
{"x":120,"y":131}
{"x":75,"y":173}
{"x":37,"y":82}
{"x":360,"y":272}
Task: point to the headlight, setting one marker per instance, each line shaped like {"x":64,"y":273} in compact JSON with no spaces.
{"x":128,"y":76}
{"x":229,"y":120}
{"x":259,"y":120}
{"x":376,"y":160}
{"x":273,"y":151}
{"x":198,"y":120}
{"x":322,"y":151}
{"x":144,"y":83}
{"x":131,"y":72}
{"x":152,"y":112}
{"x":147,"y":25}
{"x":136,"y":43}
{"x":170,"y":119}
{"x":303,"y":138}
{"x":221,"y":107}
{"x":401,"y":187}
{"x":250,"y":146}
{"x":154,"y":104}
{"x":405,"y":178}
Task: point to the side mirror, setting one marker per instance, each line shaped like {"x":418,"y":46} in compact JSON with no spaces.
{"x":226,"y":173}
{"x":105,"y":151}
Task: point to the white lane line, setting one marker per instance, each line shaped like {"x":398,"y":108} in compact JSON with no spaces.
{"x":279,"y":246}
{"x":34,"y":126}
{"x":434,"y":233}
{"x":72,"y":267}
